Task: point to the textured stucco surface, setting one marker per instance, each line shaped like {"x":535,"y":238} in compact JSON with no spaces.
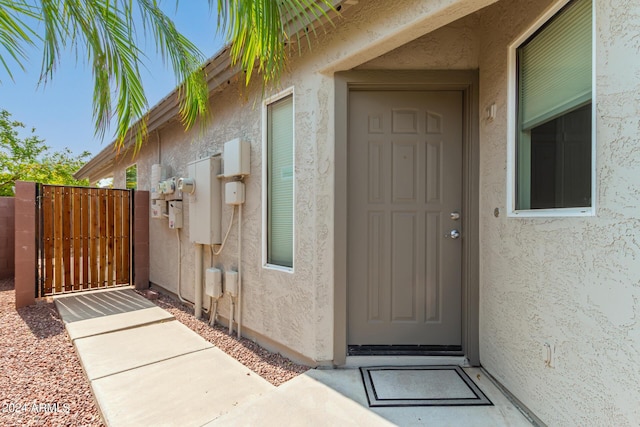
{"x":293,"y":309}
{"x":571,"y":282}
{"x":452,"y":47}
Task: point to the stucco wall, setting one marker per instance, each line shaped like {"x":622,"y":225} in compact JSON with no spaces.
{"x":294,"y":310}
{"x":571,"y":282}
{"x":452,"y":47}
{"x":280,"y":305}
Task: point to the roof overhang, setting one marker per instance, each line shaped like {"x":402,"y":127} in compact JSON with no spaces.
{"x":218,"y":70}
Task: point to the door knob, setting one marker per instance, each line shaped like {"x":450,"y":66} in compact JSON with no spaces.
{"x":454,"y":234}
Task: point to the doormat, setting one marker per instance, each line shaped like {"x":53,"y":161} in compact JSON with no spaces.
{"x":421,"y":386}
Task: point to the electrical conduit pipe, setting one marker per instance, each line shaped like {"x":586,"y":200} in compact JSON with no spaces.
{"x":198,"y":282}
{"x":239,"y":270}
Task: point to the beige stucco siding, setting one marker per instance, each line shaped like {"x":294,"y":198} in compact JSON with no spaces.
{"x":282,"y":306}
{"x":292,"y":309}
{"x":571,"y":282}
{"x":452,"y":47}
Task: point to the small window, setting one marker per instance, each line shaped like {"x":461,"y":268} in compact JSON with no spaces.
{"x":131,"y":178}
{"x":280,"y":180}
{"x":554,"y":112}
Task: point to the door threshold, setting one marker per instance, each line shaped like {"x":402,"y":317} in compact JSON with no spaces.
{"x":405,"y":350}
{"x":363,"y":361}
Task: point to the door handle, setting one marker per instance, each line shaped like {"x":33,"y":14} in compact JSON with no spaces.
{"x":453,"y":234}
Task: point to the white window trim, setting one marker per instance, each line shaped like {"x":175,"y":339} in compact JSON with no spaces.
{"x":285,"y":93}
{"x":512,"y":125}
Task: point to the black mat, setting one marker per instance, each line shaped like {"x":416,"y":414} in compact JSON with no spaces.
{"x":421,"y":386}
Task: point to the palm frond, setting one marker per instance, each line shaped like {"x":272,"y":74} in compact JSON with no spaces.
{"x":259,"y":30}
{"x":14,"y":33}
{"x":106,"y":30}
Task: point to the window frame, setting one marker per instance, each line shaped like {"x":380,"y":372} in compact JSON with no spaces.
{"x":289,"y":92}
{"x":125,"y":176}
{"x":513,"y":119}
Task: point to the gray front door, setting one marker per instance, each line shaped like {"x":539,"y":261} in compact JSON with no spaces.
{"x":404,"y":191}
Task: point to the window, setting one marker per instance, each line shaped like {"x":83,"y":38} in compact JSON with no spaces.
{"x":280,"y":180}
{"x":553,"y":153}
{"x":131,"y":177}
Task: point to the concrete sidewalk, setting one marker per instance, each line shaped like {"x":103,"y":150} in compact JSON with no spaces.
{"x":146,"y":368}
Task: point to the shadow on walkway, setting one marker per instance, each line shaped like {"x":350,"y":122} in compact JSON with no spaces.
{"x":76,"y":307}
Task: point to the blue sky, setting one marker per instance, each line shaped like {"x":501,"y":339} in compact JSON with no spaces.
{"x":61,"y":111}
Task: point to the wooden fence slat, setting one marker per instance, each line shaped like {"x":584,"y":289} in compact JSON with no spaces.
{"x":47,"y":237}
{"x":126,"y":237}
{"x":57,"y":233}
{"x":77,"y":222}
{"x":94,"y":255}
{"x":66,"y":241}
{"x":110,"y":236}
{"x":117,"y":240}
{"x":86,"y":219}
{"x":103,"y":237}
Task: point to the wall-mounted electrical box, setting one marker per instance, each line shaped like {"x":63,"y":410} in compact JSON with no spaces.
{"x":237,"y":154}
{"x":175,"y":214}
{"x":234,"y":193}
{"x":231,"y":283}
{"x":158,"y":173}
{"x":213,"y":283}
{"x":205,"y":203}
{"x":158,"y":209}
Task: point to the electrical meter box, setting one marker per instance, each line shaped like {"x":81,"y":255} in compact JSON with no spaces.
{"x":237,"y":155}
{"x":158,"y":173}
{"x":205,"y":203}
{"x":175,"y":214}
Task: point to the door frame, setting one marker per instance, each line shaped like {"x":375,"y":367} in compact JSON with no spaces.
{"x":465,"y":81}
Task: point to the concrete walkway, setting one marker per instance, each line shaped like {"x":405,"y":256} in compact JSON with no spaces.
{"x":146,"y":368}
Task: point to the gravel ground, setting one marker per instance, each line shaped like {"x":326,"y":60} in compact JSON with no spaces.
{"x":41,"y":379}
{"x":272,"y":367}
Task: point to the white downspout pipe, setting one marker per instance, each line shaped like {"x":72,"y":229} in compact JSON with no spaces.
{"x":198,"y":282}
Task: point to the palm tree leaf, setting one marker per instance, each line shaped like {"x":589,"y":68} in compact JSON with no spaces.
{"x":14,"y":33}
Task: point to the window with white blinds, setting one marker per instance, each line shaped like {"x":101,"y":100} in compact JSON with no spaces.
{"x":554,"y":90}
{"x":280,"y":178}
{"x":131,"y":177}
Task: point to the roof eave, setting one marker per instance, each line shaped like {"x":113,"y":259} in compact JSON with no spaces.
{"x":218,"y":70}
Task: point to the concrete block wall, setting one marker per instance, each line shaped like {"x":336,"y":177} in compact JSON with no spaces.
{"x":7,"y":237}
{"x":25,"y":243}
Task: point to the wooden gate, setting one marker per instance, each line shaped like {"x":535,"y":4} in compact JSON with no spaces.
{"x":85,"y":238}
